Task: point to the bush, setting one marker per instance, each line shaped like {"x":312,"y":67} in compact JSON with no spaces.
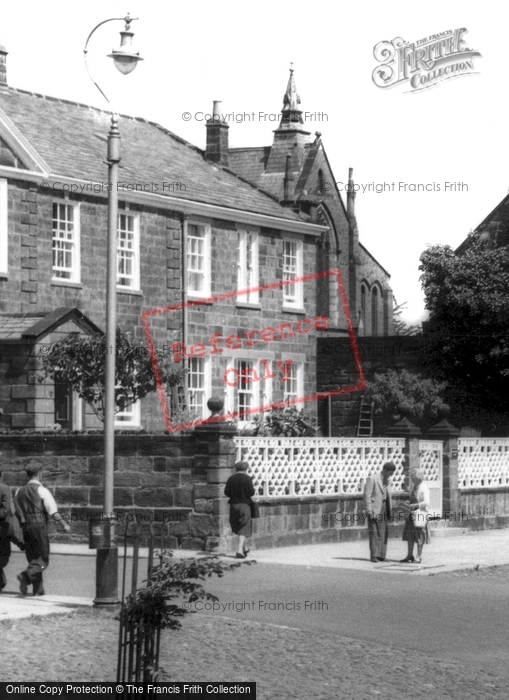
{"x":388,"y":390}
{"x":283,"y":422}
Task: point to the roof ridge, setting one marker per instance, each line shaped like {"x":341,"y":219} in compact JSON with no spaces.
{"x":248,"y":148}
{"x":106,"y":111}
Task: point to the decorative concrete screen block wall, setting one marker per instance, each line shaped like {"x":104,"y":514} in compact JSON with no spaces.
{"x":483,"y":481}
{"x":310,"y":489}
{"x":166,"y":480}
{"x":483,"y":462}
{"x":318,"y":466}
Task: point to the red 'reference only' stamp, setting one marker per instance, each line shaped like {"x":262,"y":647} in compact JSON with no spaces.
{"x":241,"y":374}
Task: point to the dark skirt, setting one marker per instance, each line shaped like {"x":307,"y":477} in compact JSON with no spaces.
{"x":419,"y":535}
{"x":240,"y":519}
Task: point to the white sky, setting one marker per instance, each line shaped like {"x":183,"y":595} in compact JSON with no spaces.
{"x":199,"y":51}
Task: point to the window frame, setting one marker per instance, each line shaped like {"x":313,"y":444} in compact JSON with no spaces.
{"x":243,"y":276}
{"x":262,"y":389}
{"x":206,"y":389}
{"x":134,"y":413}
{"x":298,"y":368}
{"x":295,"y":301}
{"x":75,"y":269}
{"x":206,"y":272}
{"x":135,"y":287}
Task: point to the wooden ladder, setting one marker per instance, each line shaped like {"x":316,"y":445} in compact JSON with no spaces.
{"x":365,"y":425}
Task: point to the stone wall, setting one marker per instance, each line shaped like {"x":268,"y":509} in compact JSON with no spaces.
{"x":177,"y":484}
{"x":173,"y":482}
{"x":285,"y":522}
{"x":482,"y":509}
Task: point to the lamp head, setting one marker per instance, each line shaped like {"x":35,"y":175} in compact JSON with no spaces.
{"x":125,"y":57}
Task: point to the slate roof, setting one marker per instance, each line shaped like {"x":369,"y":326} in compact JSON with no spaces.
{"x":71,"y":138}
{"x":16,"y":327}
{"x":250,"y":163}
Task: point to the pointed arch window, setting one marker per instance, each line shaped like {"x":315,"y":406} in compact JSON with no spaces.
{"x":375,"y":304}
{"x":363,"y":307}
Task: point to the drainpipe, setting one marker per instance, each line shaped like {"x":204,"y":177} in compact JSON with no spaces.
{"x":183,"y":239}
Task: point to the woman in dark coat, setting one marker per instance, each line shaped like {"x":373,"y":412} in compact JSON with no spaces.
{"x":239,"y":489}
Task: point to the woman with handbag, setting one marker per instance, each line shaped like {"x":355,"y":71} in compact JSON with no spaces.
{"x":416,"y":530}
{"x":239,"y":489}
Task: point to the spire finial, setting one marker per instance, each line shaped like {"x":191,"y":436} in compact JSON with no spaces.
{"x":291,"y":99}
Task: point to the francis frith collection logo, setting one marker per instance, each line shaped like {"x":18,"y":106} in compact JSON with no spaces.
{"x":424,"y":63}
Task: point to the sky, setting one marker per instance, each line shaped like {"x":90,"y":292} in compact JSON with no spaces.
{"x":237,"y":52}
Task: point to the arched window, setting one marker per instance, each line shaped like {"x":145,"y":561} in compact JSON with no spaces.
{"x":374,"y":311}
{"x":363,"y":318}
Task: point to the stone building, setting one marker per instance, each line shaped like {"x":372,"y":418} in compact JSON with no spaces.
{"x":188,"y":230}
{"x":296,"y":170}
{"x":194,"y":230}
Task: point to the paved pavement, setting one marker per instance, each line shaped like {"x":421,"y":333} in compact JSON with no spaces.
{"x":447,"y":552}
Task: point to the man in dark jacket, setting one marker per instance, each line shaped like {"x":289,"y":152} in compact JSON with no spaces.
{"x":5,"y":545}
{"x":35,"y":505}
{"x":239,"y":489}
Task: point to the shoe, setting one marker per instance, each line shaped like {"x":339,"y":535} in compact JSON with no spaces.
{"x":240,"y":556}
{"x":374,"y":560}
{"x":40,"y":591}
{"x":246,"y":552}
{"x":381,"y":558}
{"x":23,"y":585}
{"x":406,"y":560}
{"x":418,"y":560}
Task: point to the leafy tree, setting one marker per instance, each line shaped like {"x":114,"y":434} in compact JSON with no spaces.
{"x":80,"y":361}
{"x":468,"y":299}
{"x":388,"y":390}
{"x":400,"y":326}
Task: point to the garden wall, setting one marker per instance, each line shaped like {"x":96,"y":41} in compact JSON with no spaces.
{"x":161,"y":479}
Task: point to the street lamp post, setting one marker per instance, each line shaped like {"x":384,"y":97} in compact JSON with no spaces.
{"x":107,"y":555}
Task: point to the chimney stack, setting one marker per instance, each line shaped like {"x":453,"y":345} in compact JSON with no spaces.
{"x":3,"y":66}
{"x":217,"y":137}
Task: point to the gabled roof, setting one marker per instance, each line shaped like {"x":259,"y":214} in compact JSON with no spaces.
{"x":250,"y":163}
{"x":365,"y":250}
{"x":33,"y":326}
{"x":496,"y":225}
{"x":69,"y":140}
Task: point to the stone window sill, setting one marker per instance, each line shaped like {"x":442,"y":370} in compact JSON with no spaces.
{"x":66,"y":283}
